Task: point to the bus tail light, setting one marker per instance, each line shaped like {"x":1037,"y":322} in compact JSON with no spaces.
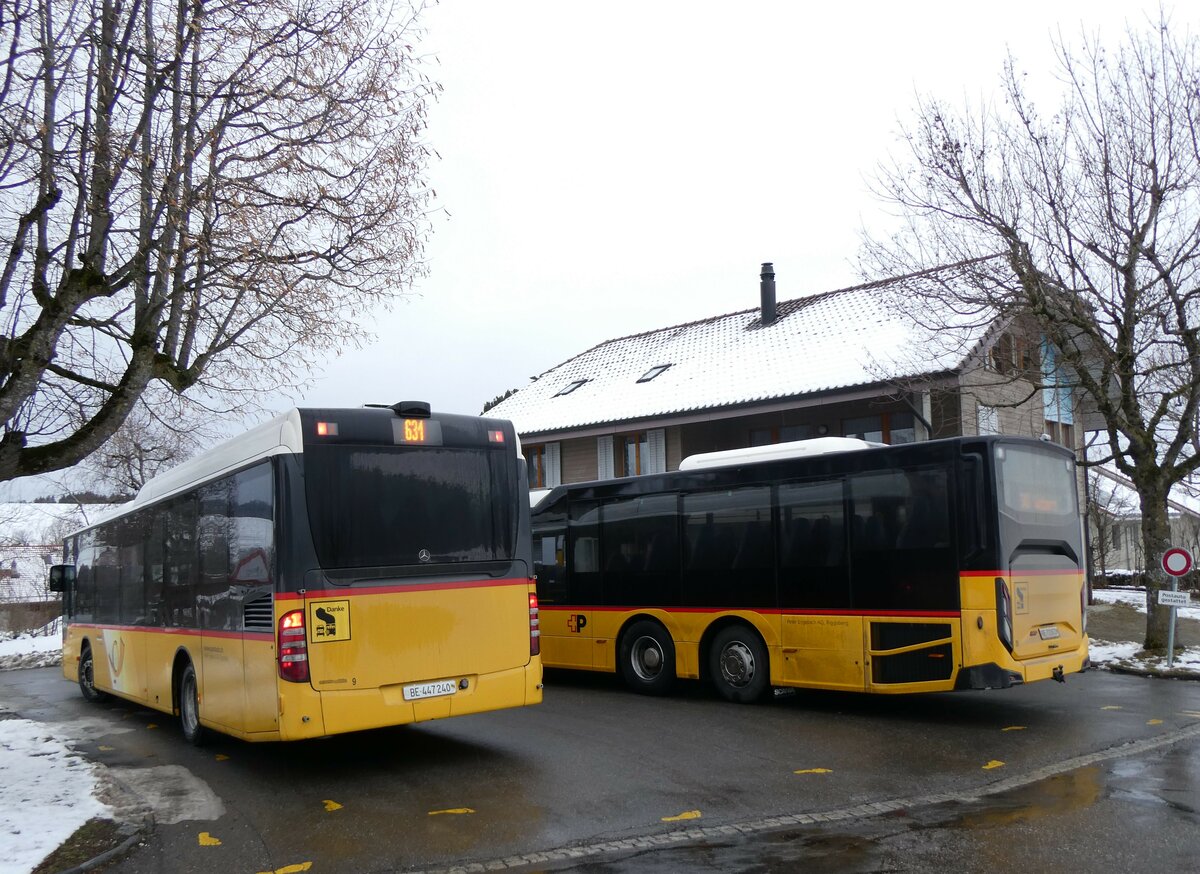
{"x":293,"y":647}
{"x":535,"y":632}
{"x":1004,"y":614}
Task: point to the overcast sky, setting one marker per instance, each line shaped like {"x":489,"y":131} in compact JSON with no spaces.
{"x":609,"y":168}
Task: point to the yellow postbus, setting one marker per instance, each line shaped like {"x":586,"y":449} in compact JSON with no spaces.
{"x":827,"y":564}
{"x":330,"y":571}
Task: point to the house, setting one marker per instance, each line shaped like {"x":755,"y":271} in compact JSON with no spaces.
{"x":850,"y":362}
{"x":25,"y":600}
{"x":1115,"y":524}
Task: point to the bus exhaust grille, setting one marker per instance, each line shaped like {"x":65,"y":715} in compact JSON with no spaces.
{"x":259,"y":614}
{"x":923,"y":665}
{"x":894,"y":635}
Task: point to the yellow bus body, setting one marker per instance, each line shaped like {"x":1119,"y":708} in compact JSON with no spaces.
{"x":840,"y":650}
{"x":397,"y":637}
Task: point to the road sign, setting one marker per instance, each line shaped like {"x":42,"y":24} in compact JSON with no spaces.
{"x":1167,"y":598}
{"x":1177,"y":561}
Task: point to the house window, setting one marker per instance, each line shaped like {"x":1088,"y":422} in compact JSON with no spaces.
{"x":544,"y":466}
{"x":643,"y":452}
{"x":653,"y":372}
{"x":1013,"y":355}
{"x":885,"y":428}
{"x":569,"y":387}
{"x":987,"y":419}
{"x":1116,"y":537}
{"x":1057,"y":399}
{"x":782,"y":434}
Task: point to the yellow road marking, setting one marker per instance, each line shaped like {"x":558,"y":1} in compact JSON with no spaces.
{"x":1014,"y":728}
{"x":207,"y":840}
{"x":221,"y":757}
{"x":332,"y":805}
{"x":1154,"y":722}
{"x":1111,"y":707}
{"x":993,"y":764}
{"x":687,"y":814}
{"x":814,"y":771}
{"x":105,"y":749}
{"x":290,"y":869}
{"x":151,"y":725}
{"x":451,"y":810}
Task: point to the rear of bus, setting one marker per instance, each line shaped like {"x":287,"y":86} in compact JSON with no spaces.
{"x":406,"y":582}
{"x":1024,"y":596}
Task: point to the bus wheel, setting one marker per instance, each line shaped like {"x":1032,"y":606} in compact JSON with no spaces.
{"x":87,"y":676}
{"x":647,"y":658}
{"x":189,"y":707}
{"x":738,"y":663}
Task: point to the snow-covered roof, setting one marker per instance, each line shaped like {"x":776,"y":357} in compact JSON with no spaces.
{"x":836,"y":340}
{"x":24,"y":571}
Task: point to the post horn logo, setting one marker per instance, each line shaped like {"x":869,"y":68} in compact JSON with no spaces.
{"x":116,"y":656}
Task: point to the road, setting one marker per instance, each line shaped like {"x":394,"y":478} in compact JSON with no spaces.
{"x":599,"y":779}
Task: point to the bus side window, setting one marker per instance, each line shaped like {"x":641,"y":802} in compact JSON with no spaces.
{"x":812,"y":556}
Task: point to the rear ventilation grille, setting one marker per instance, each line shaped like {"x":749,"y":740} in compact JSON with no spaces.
{"x":259,"y":614}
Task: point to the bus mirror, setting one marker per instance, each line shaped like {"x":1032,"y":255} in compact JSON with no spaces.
{"x":62,"y":577}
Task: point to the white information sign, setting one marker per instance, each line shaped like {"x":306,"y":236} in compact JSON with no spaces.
{"x":1167,"y":598}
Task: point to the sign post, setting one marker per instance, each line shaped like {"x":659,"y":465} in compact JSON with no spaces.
{"x":1176,"y":561}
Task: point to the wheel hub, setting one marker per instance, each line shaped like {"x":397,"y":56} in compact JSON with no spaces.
{"x":647,"y":658}
{"x":737,"y":664}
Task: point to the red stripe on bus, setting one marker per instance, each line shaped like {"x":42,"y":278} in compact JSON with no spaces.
{"x":942,"y":614}
{"x":187,"y":632}
{"x":396,"y":589}
{"x":1020,"y":573}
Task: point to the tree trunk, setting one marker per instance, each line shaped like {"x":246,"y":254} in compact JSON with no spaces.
{"x":1156,"y":537}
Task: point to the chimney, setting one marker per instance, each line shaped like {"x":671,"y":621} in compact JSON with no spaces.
{"x":767,"y":290}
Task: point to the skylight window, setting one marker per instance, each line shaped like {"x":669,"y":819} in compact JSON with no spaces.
{"x":570,"y":387}
{"x":653,"y":372}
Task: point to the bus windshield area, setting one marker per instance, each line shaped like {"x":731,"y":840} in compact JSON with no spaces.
{"x":1037,"y":487}
{"x":385,"y":506}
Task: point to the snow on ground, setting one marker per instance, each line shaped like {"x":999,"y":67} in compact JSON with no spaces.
{"x":37,"y":649}
{"x":1126,"y":655}
{"x":48,"y":792}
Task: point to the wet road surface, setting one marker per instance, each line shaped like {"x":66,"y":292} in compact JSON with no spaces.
{"x":598,"y":779}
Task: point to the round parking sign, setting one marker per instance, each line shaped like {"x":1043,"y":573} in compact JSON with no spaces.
{"x":1177,"y":561}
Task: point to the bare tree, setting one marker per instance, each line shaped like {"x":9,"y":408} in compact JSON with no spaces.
{"x":1094,"y":214}
{"x":160,"y":432}
{"x":194,"y":194}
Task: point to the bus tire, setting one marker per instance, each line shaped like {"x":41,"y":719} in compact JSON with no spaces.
{"x":189,"y":707}
{"x":647,"y":658}
{"x":87,"y":676}
{"x":738,"y":664}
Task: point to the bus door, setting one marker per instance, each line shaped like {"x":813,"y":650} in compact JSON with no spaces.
{"x":566,"y":629}
{"x":822,"y":638}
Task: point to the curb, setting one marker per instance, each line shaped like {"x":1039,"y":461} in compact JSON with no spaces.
{"x":1155,"y":673}
{"x":119,"y":850}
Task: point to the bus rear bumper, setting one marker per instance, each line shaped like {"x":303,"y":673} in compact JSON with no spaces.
{"x":994,"y":676}
{"x":359,"y":709}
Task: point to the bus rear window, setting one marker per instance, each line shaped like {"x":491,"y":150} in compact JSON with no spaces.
{"x":1035,"y":486}
{"x":384,"y":506}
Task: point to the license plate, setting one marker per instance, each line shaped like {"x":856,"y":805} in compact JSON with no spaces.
{"x":430,"y":690}
{"x":1049,"y":633}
